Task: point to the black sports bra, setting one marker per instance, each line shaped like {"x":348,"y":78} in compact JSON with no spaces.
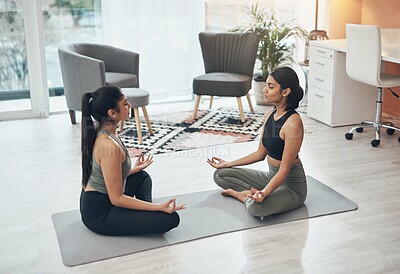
{"x":271,"y":140}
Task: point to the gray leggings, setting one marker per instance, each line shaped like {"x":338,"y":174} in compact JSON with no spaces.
{"x":288,"y":196}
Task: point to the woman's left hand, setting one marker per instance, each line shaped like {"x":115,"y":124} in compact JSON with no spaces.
{"x":258,"y":196}
{"x":142,"y":162}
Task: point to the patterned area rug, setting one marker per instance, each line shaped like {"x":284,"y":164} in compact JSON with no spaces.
{"x":179,"y":132}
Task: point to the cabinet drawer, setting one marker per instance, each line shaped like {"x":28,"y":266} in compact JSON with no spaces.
{"x":322,"y":65}
{"x":323,"y":52}
{"x":320,"y":105}
{"x":320,"y":80}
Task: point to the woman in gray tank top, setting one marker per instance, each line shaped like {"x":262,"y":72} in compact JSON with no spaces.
{"x":116,"y":196}
{"x":283,"y":187}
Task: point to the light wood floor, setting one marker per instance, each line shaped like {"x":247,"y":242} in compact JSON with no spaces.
{"x":40,"y":175}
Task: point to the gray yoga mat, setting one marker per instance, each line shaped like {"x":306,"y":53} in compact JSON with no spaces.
{"x":207,"y":214}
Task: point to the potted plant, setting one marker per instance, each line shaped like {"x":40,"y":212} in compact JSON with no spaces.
{"x":276,"y":43}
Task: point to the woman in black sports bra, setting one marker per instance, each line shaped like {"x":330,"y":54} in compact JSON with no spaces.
{"x":283,"y":187}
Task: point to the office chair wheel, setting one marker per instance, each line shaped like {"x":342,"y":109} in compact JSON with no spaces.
{"x":375,"y":143}
{"x":390,"y":131}
{"x":359,"y":129}
{"x":349,"y":136}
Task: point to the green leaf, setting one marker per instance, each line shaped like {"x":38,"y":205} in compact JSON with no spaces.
{"x":276,"y":41}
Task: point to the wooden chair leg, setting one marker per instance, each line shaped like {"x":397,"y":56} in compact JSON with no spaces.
{"x":239,"y":101}
{"x":249,"y":100}
{"x":138,"y":126}
{"x":146,"y":117}
{"x":196,"y":106}
{"x":72,"y":116}
{"x":211,"y":101}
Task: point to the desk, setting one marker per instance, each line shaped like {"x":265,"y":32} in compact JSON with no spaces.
{"x":390,"y":50}
{"x":335,"y":99}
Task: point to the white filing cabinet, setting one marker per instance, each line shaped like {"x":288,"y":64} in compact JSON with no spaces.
{"x":334,"y":99}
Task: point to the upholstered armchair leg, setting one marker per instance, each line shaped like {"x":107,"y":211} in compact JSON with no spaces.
{"x":146,"y":117}
{"x":211,"y":101}
{"x":196,"y":106}
{"x":138,"y":126}
{"x":239,"y":101}
{"x":249,"y":100}
{"x":72,"y":116}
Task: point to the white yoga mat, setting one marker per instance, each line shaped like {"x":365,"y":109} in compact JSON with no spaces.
{"x":207,"y":214}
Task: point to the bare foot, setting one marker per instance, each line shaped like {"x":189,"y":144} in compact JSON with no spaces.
{"x":238,"y":195}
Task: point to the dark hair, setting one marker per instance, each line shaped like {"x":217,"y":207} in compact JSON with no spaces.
{"x":95,"y":104}
{"x":286,"y":77}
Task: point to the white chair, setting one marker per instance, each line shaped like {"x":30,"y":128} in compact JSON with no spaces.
{"x":363,"y":64}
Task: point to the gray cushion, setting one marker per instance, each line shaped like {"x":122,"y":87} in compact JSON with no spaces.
{"x":222,"y":84}
{"x":136,"y":96}
{"x":121,"y":79}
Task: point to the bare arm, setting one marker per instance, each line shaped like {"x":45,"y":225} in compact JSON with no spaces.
{"x":110,"y":163}
{"x":256,"y":156}
{"x":251,"y":158}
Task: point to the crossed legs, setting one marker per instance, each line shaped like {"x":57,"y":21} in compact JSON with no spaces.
{"x":239,"y":182}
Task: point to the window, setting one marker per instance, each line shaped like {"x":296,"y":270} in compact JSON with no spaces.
{"x":14,"y":80}
{"x":67,"y":22}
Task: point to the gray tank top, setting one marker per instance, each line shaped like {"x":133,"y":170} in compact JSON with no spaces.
{"x":96,"y":179}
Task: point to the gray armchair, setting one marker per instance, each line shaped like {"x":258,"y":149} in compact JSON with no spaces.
{"x":86,"y":67}
{"x":229,"y":63}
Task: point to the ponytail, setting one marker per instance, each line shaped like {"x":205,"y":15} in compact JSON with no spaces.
{"x":95,"y":104}
{"x":89,"y":133}
{"x":286,"y":77}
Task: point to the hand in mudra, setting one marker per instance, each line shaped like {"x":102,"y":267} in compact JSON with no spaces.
{"x":257,"y":196}
{"x":142,"y":162}
{"x":217,"y":163}
{"x":170,"y":206}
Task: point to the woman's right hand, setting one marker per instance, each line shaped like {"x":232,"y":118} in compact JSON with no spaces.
{"x":217,"y":163}
{"x":170,"y":206}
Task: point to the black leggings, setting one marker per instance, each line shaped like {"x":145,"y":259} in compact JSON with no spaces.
{"x":100,"y":216}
